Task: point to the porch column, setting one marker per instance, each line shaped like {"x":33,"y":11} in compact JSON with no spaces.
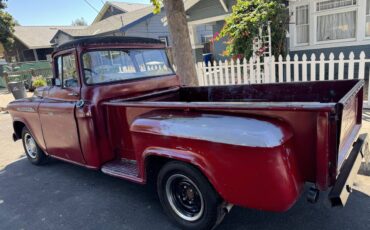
{"x":35,"y":54}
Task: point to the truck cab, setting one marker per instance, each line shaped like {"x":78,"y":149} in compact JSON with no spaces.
{"x":86,"y":73}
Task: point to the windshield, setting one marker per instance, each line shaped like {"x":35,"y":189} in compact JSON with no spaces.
{"x":105,"y":66}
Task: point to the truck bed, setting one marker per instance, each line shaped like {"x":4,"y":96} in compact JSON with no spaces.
{"x":325,"y":117}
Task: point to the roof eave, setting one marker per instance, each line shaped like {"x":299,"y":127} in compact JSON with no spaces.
{"x":103,"y":10}
{"x":126,"y":27}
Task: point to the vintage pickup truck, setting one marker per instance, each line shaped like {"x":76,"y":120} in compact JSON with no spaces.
{"x":117,"y":106}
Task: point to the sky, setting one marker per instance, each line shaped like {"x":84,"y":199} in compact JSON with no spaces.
{"x":56,"y":12}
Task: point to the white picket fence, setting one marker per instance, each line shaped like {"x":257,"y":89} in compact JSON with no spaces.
{"x":270,"y":70}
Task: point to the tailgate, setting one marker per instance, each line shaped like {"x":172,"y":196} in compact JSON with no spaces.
{"x":352,"y":147}
{"x":350,"y":120}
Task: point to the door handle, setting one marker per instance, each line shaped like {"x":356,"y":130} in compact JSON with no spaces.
{"x":73,"y":94}
{"x":80,"y":104}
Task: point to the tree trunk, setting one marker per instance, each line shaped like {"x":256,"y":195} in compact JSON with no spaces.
{"x":179,"y":32}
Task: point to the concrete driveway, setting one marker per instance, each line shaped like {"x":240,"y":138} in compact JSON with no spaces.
{"x":64,"y":196}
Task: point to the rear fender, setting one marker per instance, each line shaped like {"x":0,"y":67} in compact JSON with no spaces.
{"x":252,"y":164}
{"x":178,"y":155}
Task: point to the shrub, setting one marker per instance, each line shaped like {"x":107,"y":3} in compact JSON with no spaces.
{"x":242,"y":26}
{"x":39,"y":82}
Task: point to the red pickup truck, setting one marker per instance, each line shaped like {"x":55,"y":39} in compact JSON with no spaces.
{"x":117,"y":106}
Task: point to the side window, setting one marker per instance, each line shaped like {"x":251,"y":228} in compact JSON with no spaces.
{"x":59,"y":66}
{"x":59,"y":71}
{"x":66,"y":71}
{"x":69,"y":75}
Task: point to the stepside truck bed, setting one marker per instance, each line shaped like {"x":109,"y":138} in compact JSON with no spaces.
{"x":325,"y":119}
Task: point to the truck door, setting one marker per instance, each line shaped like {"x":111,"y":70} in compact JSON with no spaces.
{"x":57,"y":111}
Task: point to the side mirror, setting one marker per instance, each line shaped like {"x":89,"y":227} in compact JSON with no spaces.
{"x":55,"y":82}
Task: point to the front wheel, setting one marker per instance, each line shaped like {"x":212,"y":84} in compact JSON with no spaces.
{"x":188,"y":198}
{"x":34,"y":153}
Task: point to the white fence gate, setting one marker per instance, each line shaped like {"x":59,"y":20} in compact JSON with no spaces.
{"x":302,"y":69}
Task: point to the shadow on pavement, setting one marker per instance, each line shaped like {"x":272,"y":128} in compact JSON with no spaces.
{"x":64,"y":196}
{"x":366,"y":115}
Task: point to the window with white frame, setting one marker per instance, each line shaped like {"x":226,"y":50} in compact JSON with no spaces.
{"x":164,"y":39}
{"x":334,"y":4}
{"x":302,"y":24}
{"x":205,"y":38}
{"x":336,"y":26}
{"x":368,"y":18}
{"x":336,"y":20}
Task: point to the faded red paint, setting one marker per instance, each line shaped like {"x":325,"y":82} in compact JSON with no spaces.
{"x":301,"y":140}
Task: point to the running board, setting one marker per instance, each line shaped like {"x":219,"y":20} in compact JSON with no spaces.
{"x":124,"y":169}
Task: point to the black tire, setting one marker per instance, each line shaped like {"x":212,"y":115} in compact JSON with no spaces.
{"x":37,"y":157}
{"x":170,"y":180}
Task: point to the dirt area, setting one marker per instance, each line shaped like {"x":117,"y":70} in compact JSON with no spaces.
{"x":6,"y":97}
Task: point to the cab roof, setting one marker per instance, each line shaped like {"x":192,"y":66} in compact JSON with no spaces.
{"x":107,"y":40}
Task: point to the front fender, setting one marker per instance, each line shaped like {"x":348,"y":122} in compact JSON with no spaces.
{"x":26,"y":111}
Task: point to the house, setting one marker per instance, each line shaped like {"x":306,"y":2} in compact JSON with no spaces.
{"x":330,"y":26}
{"x":32,"y":43}
{"x":211,"y":14}
{"x":114,"y":8}
{"x":125,"y":19}
{"x":141,"y":22}
{"x":205,"y":18}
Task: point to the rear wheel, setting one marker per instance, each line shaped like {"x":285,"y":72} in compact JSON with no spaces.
{"x":188,"y":198}
{"x":34,"y":153}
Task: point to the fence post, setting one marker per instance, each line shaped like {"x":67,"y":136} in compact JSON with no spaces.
{"x":304,"y":67}
{"x":313,"y":67}
{"x":222,"y":80}
{"x":341,"y":66}
{"x":361,"y":71}
{"x":322,"y":67}
{"x":266,"y":65}
{"x":245,"y":71}
{"x":252,"y":73}
{"x":351,"y":65}
{"x":215,"y":73}
{"x":288,"y":74}
{"x":227,"y":74}
{"x":238,"y":72}
{"x":258,"y":72}
{"x":331,"y":66}
{"x":209,"y":74}
{"x":272,"y":69}
{"x":296,"y":68}
{"x":281,"y":77}
{"x":232,"y":72}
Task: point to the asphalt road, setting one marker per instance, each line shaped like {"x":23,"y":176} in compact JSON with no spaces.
{"x":64,"y":196}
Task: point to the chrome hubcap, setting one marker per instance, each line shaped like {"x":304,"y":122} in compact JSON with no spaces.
{"x":30,"y":144}
{"x":185,"y":198}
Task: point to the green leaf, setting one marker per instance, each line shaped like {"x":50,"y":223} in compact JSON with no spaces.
{"x":242,"y":26}
{"x":157,"y":6}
